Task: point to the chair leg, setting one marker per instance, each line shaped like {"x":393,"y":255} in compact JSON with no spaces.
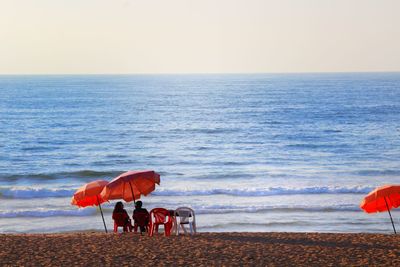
{"x":184,"y":229}
{"x":151,"y":232}
{"x":175,"y":226}
{"x":167,"y":229}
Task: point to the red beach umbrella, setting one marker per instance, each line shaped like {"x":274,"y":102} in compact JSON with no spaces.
{"x":131,"y":185}
{"x":383,"y":198}
{"x":89,"y":195}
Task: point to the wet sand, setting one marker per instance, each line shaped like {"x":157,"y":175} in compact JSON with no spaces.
{"x":205,"y":249}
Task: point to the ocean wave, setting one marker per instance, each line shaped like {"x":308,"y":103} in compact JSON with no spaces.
{"x":271,"y":191}
{"x":82,"y":174}
{"x":208,"y":225}
{"x":316,"y":146}
{"x":28,"y":193}
{"x":210,"y":130}
{"x":332,"y":131}
{"x":207,"y":209}
{"x":379,"y":172}
{"x":47,"y":213}
{"x":31,"y":192}
{"x":225,"y":209}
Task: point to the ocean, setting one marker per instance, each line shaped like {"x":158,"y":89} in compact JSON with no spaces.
{"x":248,"y":152}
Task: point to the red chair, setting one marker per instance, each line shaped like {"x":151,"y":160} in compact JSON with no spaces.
{"x":141,"y":219}
{"x":122,"y":220}
{"x":160,"y":216}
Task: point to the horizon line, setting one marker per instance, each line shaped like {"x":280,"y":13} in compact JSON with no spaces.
{"x":195,"y":73}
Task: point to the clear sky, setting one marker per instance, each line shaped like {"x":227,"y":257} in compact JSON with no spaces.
{"x":198,"y":36}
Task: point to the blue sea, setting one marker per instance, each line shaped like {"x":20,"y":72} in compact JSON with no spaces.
{"x":254,"y":152}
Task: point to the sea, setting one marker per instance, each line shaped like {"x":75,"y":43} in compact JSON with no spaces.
{"x":248,"y":152}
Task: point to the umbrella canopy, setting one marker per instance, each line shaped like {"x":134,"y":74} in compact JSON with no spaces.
{"x":89,"y":195}
{"x":131,"y":185}
{"x":383,"y":198}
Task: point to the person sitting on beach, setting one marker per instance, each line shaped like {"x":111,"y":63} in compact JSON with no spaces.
{"x":140,"y":217}
{"x":121,"y":218}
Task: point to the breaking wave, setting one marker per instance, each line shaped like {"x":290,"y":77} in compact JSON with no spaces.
{"x":82,"y":174}
{"x":223,"y":209}
{"x":47,"y":213}
{"x":209,"y":209}
{"x":29,"y":192}
{"x":271,"y":191}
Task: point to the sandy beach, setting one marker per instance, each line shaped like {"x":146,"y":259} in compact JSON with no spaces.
{"x":205,"y":249}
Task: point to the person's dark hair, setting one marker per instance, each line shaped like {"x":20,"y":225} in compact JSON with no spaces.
{"x":139,"y":204}
{"x":119,"y":207}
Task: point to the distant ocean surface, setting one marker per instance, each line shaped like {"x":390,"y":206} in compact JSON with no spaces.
{"x":262,"y":152}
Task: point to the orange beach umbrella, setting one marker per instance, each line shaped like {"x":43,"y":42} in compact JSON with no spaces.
{"x":89,"y":195}
{"x":131,"y":185}
{"x":383,"y":198}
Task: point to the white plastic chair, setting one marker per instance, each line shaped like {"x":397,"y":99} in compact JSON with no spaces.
{"x":183,"y":216}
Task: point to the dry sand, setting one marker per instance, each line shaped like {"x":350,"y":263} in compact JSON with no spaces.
{"x":205,"y":249}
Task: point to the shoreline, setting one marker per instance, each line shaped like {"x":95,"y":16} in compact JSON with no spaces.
{"x":203,"y":249}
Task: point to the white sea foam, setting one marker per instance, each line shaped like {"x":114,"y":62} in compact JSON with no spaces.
{"x":223,"y":209}
{"x":46,"y":213}
{"x":205,"y":209}
{"x":31,"y":192}
{"x":271,"y":191}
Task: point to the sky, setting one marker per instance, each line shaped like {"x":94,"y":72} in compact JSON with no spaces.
{"x":198,"y":36}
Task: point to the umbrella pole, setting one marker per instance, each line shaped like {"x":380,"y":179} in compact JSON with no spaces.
{"x":387,"y":206}
{"x":133,"y":195}
{"x":101,"y":211}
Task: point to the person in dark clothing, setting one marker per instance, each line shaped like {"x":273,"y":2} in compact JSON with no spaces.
{"x":140,"y":217}
{"x":121,"y":218}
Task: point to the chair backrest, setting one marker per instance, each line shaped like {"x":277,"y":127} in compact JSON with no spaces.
{"x":141,"y":218}
{"x":119,"y":218}
{"x":160,"y":215}
{"x":185,"y":214}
